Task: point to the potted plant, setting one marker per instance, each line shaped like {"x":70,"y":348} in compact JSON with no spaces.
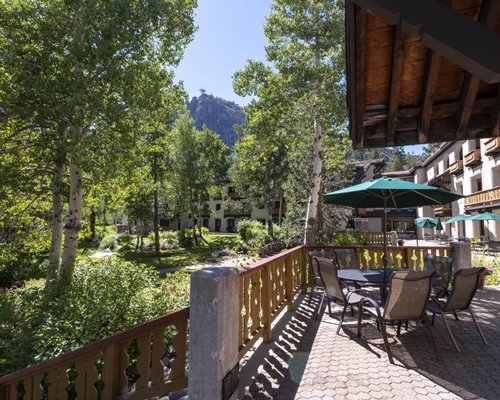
{"x":401,"y":242}
{"x":482,"y":277}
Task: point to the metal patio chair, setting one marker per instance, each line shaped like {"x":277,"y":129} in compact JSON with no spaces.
{"x":406,"y":301}
{"x":443,"y":266}
{"x":334,"y":291}
{"x":316,"y":282}
{"x":465,"y":283}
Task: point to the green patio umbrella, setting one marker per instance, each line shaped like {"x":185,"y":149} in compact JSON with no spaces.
{"x":457,"y":218}
{"x":389,"y":193}
{"x":425,"y":222}
{"x":487,"y":216}
{"x":439,"y":225}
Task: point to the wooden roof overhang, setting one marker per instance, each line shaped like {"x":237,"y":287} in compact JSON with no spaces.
{"x":422,"y":71}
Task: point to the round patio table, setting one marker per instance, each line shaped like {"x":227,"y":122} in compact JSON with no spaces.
{"x":372,"y":276}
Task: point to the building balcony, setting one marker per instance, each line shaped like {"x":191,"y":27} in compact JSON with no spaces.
{"x":237,"y":213}
{"x":457,"y":167}
{"x":492,"y":146}
{"x":483,"y":197}
{"x":473,"y":158}
{"x":443,"y":210}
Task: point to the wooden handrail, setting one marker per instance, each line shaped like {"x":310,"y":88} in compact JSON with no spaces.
{"x":113,"y":350}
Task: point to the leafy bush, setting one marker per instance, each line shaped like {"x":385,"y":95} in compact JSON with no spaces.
{"x":252,"y":233}
{"x":105,"y":298}
{"x":492,"y":263}
{"x":109,"y":241}
{"x":344,"y":239}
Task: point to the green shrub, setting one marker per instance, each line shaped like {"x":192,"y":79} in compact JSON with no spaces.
{"x":344,"y":239}
{"x":109,"y":242}
{"x":252,"y":233}
{"x":491,"y":263}
{"x":105,"y":298}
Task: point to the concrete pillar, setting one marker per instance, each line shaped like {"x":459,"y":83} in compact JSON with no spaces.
{"x":213,"y":335}
{"x":462,"y":255}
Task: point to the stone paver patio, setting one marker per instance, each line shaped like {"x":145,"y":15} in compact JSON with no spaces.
{"x":307,"y":360}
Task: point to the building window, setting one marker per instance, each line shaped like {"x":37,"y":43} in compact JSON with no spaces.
{"x":217,"y":206}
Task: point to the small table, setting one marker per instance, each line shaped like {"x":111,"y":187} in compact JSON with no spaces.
{"x":375,"y":277}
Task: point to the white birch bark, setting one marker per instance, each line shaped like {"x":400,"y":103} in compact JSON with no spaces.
{"x":57,"y":223}
{"x":312,"y":223}
{"x":73,"y":224}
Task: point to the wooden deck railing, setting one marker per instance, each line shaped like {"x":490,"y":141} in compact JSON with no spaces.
{"x":127,"y":366}
{"x":265,"y":289}
{"x":411,"y":257}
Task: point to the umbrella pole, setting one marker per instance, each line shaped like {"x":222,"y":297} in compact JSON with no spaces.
{"x":384,"y":257}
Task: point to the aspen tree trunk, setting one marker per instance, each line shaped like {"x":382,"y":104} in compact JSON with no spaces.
{"x":312,"y":223}
{"x":57,"y":222}
{"x":73,"y":224}
{"x":156,"y":222}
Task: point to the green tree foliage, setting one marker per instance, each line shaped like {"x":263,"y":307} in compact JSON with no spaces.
{"x":105,"y":298}
{"x":80,"y":75}
{"x":304,"y":93}
{"x":199,"y":166}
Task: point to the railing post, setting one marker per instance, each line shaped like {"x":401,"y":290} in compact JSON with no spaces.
{"x":408,"y":254}
{"x":462,"y":255}
{"x":111,"y":374}
{"x":289,"y":282}
{"x":304,"y":280}
{"x":266,"y":298}
{"x":213,"y":339}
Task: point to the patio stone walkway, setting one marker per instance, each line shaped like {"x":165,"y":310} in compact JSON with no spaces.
{"x":307,"y":360}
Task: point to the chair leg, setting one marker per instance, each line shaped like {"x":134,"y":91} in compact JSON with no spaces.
{"x":431,"y":336}
{"x":433,"y":318}
{"x":386,"y":342}
{"x":450,"y":333}
{"x":342,"y":318}
{"x":320,"y":305}
{"x":310,"y":295}
{"x":360,"y":313}
{"x":456,"y":316}
{"x":329,"y":307}
{"x":398,"y":329}
{"x":477,"y":326}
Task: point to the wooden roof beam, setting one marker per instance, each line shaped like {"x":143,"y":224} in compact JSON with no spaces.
{"x":470,"y":86}
{"x":465,"y":42}
{"x":430,"y":82}
{"x":468,"y":97}
{"x":495,"y":116}
{"x":356,"y":70}
{"x":398,"y":52}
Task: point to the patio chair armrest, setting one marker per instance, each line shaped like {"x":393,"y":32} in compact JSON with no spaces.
{"x":372,"y":302}
{"x":441,"y":291}
{"x":364,"y":292}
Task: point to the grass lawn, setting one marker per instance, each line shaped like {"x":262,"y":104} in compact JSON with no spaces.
{"x":183,"y":256}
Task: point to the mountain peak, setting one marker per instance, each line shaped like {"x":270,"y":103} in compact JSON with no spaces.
{"x":219,"y":115}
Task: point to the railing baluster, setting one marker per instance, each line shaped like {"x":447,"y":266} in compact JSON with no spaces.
{"x":289,"y":282}
{"x":157,"y":352}
{"x":37,"y":386}
{"x":266,"y":304}
{"x":255,"y":301}
{"x":80,"y":379}
{"x":144,"y":345}
{"x":178,"y":370}
{"x":53,"y":383}
{"x":246,"y":305}
{"x":110,"y":373}
{"x":92,"y":377}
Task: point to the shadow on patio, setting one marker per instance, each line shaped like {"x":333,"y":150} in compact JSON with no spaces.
{"x":307,"y":360}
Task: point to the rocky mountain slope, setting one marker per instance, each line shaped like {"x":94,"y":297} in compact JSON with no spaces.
{"x":218,"y":115}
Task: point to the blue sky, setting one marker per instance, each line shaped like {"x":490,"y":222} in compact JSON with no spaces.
{"x":230,"y":32}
